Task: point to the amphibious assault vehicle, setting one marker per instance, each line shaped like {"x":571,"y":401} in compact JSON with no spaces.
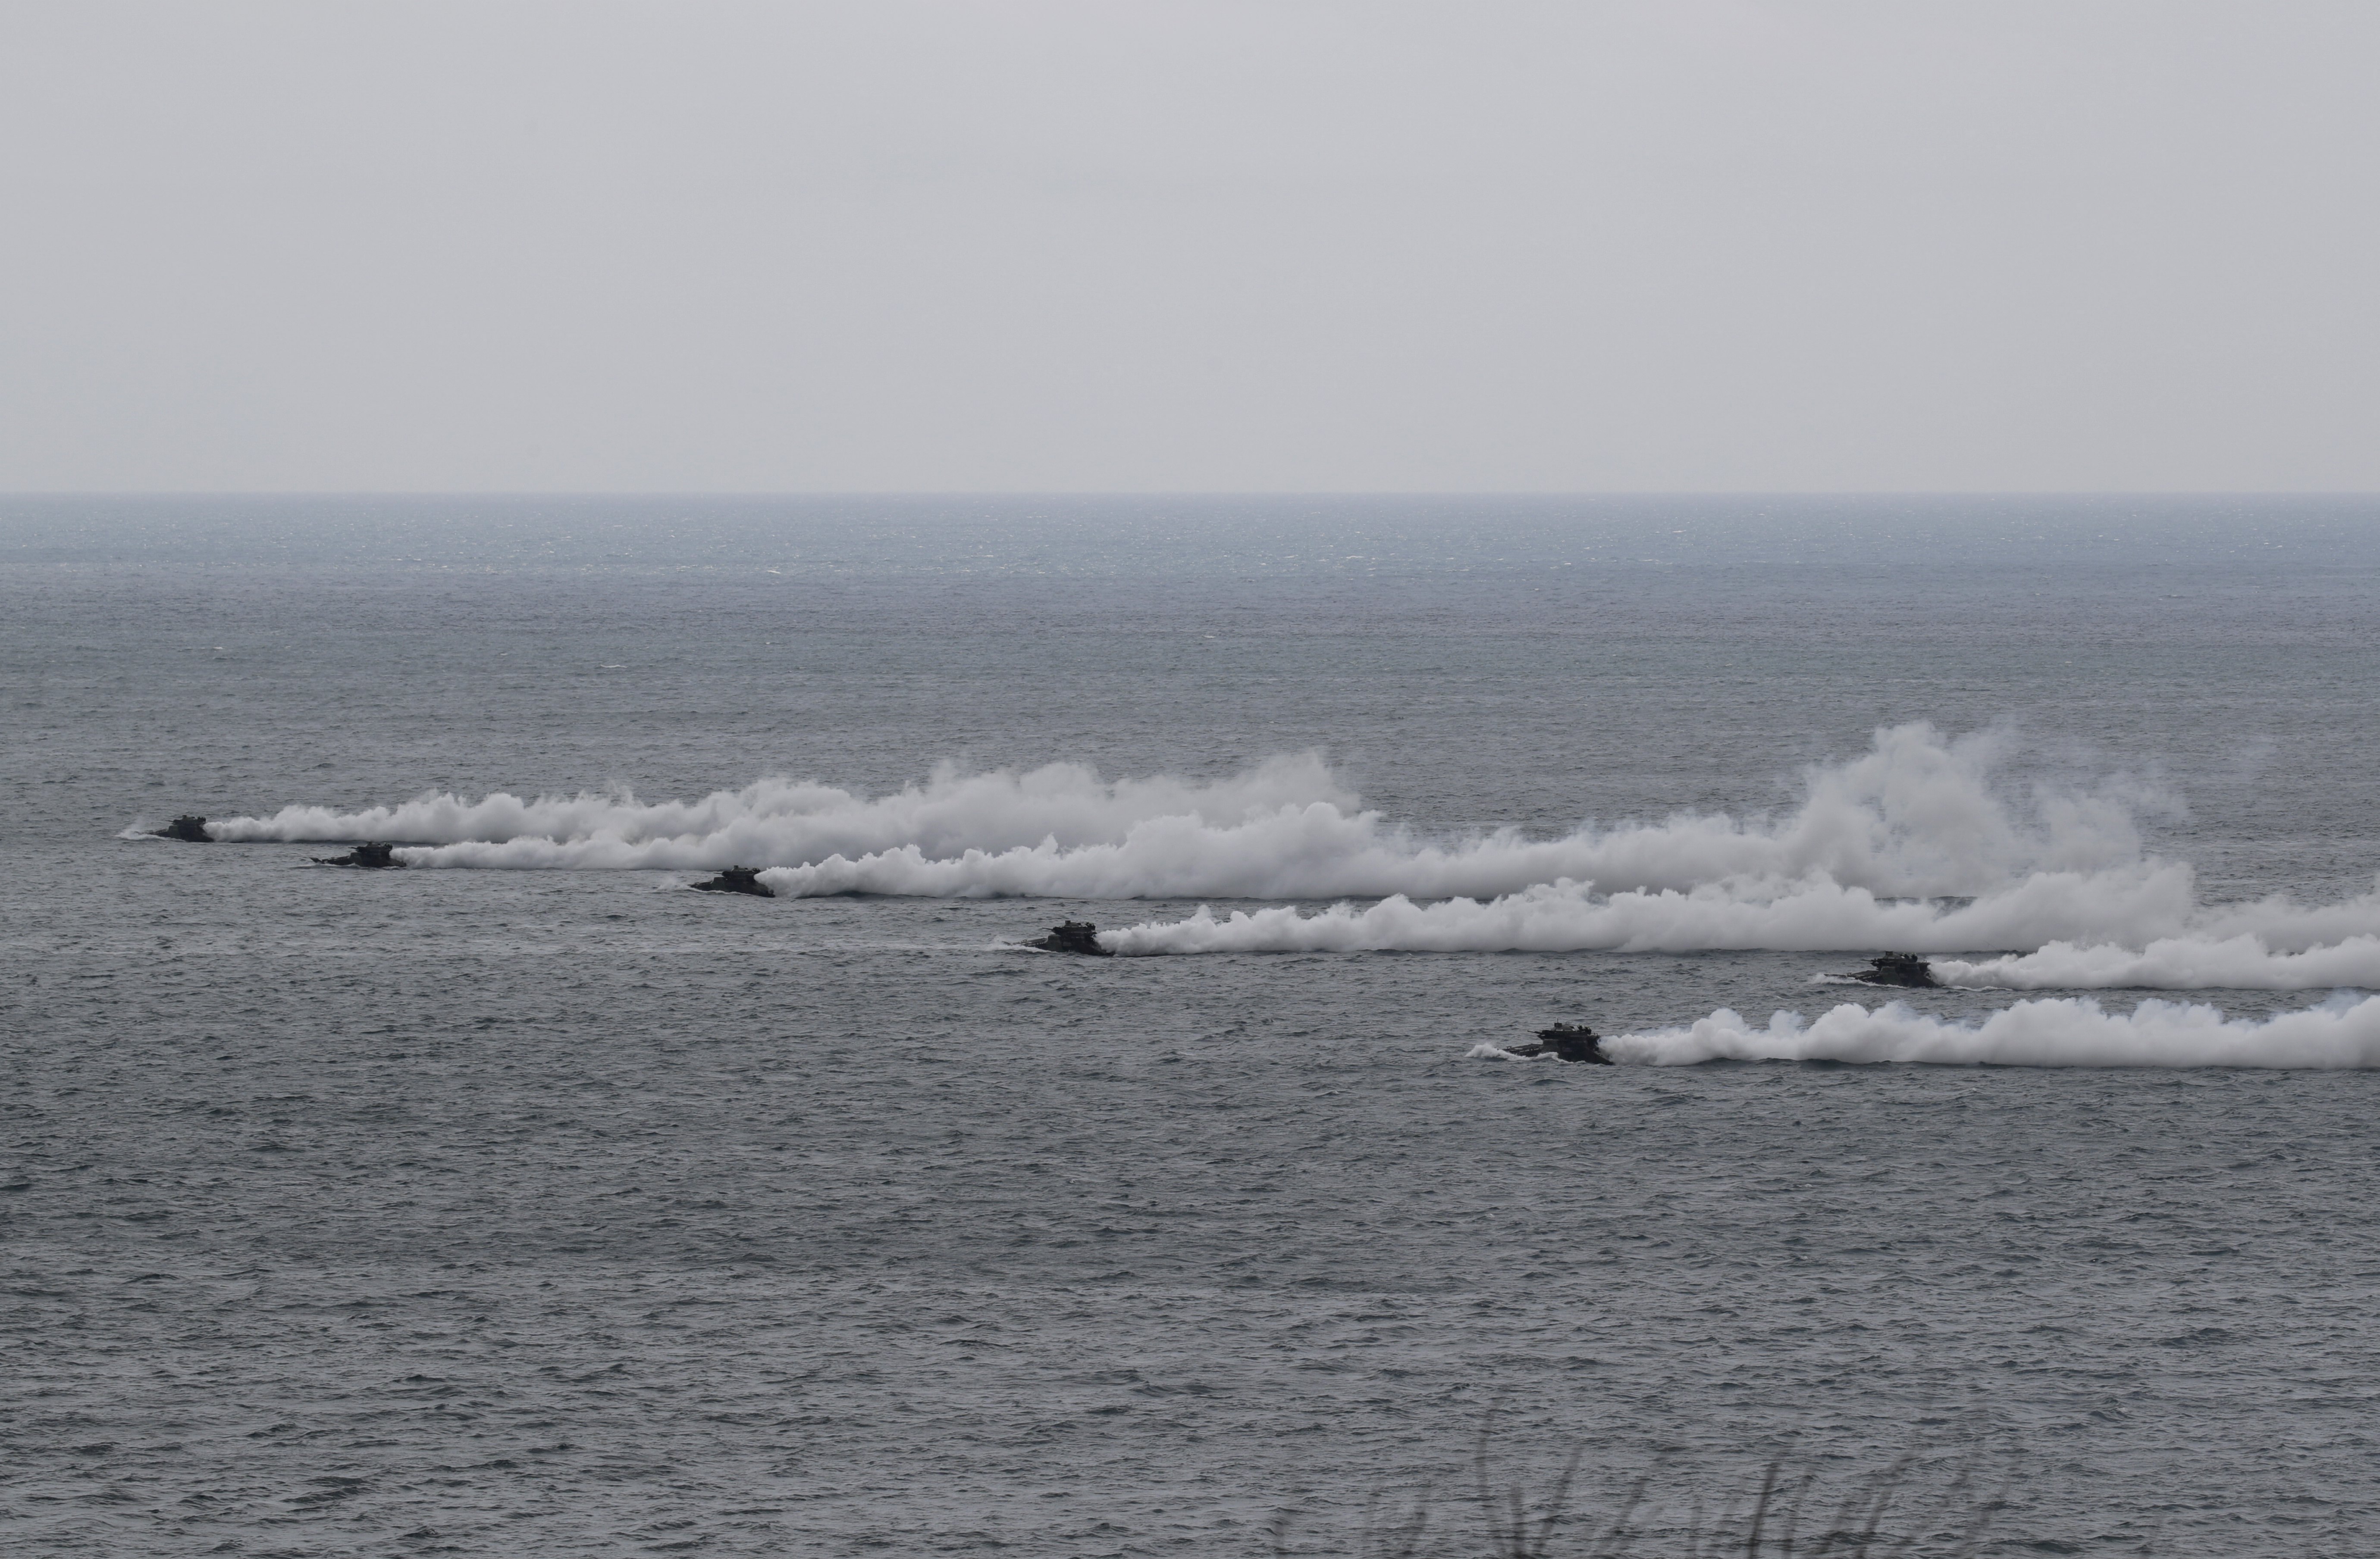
{"x":1899,"y":969}
{"x":372,"y":857}
{"x":735,"y":879}
{"x":1568,"y":1042}
{"x":1071,"y":937}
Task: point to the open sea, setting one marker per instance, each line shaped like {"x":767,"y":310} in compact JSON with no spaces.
{"x":523,"y":1202}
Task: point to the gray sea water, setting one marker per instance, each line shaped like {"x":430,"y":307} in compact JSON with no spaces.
{"x":555,"y":1211}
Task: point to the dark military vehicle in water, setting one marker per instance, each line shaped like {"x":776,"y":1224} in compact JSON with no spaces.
{"x":190,"y":828}
{"x":1567,"y":1042}
{"x":1071,"y":937}
{"x":1899,"y":969}
{"x":372,"y":857}
{"x":735,"y":879}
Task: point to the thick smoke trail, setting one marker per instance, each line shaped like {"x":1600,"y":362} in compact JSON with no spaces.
{"x":2134,"y":904}
{"x":1815,"y":915}
{"x":1910,"y":845}
{"x":2066,"y":1032}
{"x":2177,"y":963}
{"x":1916,"y":815}
{"x":783,"y":823}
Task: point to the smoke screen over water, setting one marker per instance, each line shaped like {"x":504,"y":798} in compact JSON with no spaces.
{"x":1861,"y":862}
{"x":706,"y":1191}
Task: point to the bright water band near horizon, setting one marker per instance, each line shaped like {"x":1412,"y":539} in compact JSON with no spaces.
{"x":1669,"y":767}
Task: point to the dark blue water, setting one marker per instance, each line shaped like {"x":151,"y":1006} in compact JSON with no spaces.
{"x":477,"y":1211}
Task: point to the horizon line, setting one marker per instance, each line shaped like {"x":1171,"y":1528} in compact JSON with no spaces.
{"x":14,"y":495}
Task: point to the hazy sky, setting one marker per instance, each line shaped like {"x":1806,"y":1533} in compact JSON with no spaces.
{"x":1104,"y":244}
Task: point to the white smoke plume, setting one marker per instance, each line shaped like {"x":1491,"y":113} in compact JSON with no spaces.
{"x":2175,"y":964}
{"x":2065,"y":1032}
{"x":1915,"y":816}
{"x":1813,"y":915}
{"x":781,"y":822}
{"x":1914,"y":844}
{"x":2134,"y":904}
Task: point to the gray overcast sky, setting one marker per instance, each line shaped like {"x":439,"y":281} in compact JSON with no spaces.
{"x":1108,"y":245}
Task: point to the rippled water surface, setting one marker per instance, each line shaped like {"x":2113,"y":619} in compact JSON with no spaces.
{"x":566,"y":1211}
